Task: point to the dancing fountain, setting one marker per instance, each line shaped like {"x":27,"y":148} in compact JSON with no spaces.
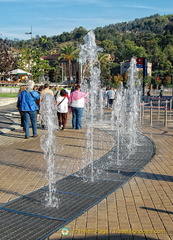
{"x":71,"y":196}
{"x":125,"y":113}
{"x":123,"y":121}
{"x":48,"y":141}
{"x":91,"y":84}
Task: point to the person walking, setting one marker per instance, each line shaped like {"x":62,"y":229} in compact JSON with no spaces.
{"x":56,"y":92}
{"x":106,"y":97}
{"x":45,"y":90}
{"x":28,"y":104}
{"x":77,"y":102}
{"x":161,"y":93}
{"x":62,"y":109}
{"x":67,"y":91}
{"x":22,"y":88}
{"x":111,"y":97}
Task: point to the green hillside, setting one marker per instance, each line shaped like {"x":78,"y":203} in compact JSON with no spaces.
{"x":150,"y":37}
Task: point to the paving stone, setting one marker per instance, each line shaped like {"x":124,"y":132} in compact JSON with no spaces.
{"x":151,"y":191}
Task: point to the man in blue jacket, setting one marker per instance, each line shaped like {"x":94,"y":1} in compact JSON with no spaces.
{"x":28,"y":104}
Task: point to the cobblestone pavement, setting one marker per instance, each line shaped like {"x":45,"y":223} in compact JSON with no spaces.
{"x":140,"y":209}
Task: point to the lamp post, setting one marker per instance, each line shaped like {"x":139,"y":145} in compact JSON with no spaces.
{"x":30,"y":33}
{"x":30,"y":65}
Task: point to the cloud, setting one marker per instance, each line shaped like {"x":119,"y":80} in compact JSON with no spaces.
{"x":54,"y":1}
{"x":78,"y":19}
{"x":56,"y":26}
{"x":156,"y":9}
{"x":143,"y":7}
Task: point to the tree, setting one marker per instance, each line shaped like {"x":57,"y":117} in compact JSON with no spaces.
{"x":117,"y":80}
{"x":158,"y":81}
{"x":31,"y":61}
{"x":78,"y":34}
{"x":39,"y":66}
{"x":132,"y":50}
{"x":168,"y":50}
{"x":168,"y":81}
{"x":69,"y":53}
{"x":102,"y":57}
{"x":8,"y":60}
{"x":24,"y":60}
{"x":108,"y":46}
{"x":149,"y":37}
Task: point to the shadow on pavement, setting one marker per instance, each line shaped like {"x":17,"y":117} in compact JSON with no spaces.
{"x":157,"y":210}
{"x":106,"y":237}
{"x":153,"y":176}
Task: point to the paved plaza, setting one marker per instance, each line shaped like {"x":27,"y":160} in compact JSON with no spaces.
{"x":140,"y":209}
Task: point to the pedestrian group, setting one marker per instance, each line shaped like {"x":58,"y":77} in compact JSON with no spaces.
{"x":31,"y":97}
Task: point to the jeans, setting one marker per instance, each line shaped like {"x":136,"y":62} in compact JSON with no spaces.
{"x":62,"y":119}
{"x":77,"y":117}
{"x":30,"y":116}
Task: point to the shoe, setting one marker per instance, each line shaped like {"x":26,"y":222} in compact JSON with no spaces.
{"x":34,"y":136}
{"x":26,"y":137}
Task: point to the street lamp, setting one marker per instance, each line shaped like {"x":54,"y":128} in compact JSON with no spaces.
{"x":30,"y":32}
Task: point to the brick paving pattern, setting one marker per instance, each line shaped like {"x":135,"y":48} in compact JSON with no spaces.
{"x":140,"y":209}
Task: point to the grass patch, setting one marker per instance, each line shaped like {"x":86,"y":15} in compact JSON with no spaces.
{"x":8,"y":95}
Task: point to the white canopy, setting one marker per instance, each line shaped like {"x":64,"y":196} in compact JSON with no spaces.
{"x":19,"y":71}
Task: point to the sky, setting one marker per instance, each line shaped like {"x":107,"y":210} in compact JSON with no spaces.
{"x":53,"y":17}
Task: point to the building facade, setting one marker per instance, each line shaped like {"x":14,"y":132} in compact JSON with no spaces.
{"x":126,"y":64}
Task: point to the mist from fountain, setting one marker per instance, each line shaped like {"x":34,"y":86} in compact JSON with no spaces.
{"x":125,"y":114}
{"x":48,"y":142}
{"x":133,"y":100}
{"x":124,"y":117}
{"x":91,"y":83}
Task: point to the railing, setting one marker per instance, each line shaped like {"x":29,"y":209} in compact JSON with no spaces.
{"x":160,"y":111}
{"x":9,"y":83}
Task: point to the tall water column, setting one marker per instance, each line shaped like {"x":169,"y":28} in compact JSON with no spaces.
{"x":90,"y":83}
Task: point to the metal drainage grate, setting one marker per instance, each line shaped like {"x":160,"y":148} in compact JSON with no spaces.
{"x":29,"y":218}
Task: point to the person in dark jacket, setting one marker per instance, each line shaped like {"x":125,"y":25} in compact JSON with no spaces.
{"x":28,"y":104}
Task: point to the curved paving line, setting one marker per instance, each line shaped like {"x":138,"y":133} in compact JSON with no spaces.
{"x":29,"y":218}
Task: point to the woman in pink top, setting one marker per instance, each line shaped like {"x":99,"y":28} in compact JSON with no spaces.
{"x":77,"y":102}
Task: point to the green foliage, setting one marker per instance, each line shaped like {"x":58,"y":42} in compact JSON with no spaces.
{"x":69,"y":53}
{"x":39,"y":66}
{"x":78,"y":34}
{"x":108,"y":46}
{"x":30,"y":61}
{"x":24,"y":59}
{"x":148,"y":80}
{"x":117,"y":80}
{"x":150,"y":37}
